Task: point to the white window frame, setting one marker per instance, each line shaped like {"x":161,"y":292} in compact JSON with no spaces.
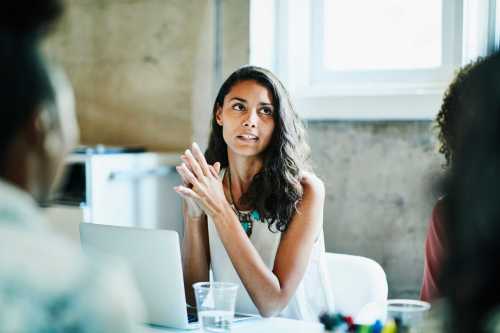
{"x":385,"y":95}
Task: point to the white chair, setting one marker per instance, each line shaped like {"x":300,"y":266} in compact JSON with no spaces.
{"x":359,"y":287}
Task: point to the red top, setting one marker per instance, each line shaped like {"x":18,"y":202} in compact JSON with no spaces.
{"x":434,"y":249}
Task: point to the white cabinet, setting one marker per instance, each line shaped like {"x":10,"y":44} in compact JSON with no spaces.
{"x":130,"y":189}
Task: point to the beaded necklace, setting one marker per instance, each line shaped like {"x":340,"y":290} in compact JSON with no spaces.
{"x":245,"y":218}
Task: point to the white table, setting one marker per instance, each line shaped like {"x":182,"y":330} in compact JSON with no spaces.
{"x":275,"y":325}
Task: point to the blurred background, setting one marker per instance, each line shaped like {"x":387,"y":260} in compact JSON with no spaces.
{"x":366,"y":76}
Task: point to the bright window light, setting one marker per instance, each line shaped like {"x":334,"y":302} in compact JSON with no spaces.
{"x":382,"y":34}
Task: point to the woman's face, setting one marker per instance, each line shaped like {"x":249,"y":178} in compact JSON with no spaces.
{"x":247,"y":118}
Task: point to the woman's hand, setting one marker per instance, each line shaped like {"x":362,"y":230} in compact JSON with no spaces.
{"x":190,"y":208}
{"x":202,"y":185}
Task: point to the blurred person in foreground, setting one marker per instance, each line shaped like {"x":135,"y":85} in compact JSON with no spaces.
{"x":471,"y":268}
{"x":46,"y":284}
{"x":470,"y":277}
{"x":447,"y":121}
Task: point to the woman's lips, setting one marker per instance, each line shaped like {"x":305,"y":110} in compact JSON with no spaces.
{"x":248,"y":137}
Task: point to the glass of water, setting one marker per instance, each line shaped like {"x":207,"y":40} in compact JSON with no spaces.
{"x":215,"y":302}
{"x":410,"y":312}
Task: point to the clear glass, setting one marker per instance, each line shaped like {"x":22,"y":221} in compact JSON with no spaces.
{"x":215,"y":302}
{"x":411,"y":312}
{"x":382,"y":34}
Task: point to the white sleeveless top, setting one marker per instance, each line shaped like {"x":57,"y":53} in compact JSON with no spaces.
{"x":313,"y":295}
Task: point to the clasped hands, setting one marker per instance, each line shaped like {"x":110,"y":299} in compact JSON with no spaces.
{"x":201,"y":187}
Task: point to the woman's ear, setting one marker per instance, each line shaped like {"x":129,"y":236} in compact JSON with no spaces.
{"x":218,"y":115}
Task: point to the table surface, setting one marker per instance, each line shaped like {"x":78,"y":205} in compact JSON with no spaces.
{"x":275,"y":325}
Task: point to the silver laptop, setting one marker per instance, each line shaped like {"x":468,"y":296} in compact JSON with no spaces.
{"x":155,"y":261}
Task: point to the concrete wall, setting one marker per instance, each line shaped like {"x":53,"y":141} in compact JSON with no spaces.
{"x":378,"y":178}
{"x":234,"y":41}
{"x":143,"y":69}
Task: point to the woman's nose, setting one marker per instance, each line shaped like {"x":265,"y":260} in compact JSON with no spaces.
{"x":248,"y":124}
{"x":251,"y":120}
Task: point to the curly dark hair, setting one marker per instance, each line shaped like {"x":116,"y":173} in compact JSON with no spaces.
{"x":276,"y":190}
{"x":451,"y":108}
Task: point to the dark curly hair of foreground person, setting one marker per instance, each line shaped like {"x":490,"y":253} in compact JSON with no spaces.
{"x":450,"y":111}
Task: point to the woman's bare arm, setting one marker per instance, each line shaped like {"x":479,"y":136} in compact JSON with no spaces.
{"x":195,"y":254}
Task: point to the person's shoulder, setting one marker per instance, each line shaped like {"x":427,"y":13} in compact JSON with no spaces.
{"x":437,"y":230}
{"x":438,"y":213}
{"x":41,"y":254}
{"x":312,"y":184}
{"x":45,"y":264}
{"x":441,"y":203}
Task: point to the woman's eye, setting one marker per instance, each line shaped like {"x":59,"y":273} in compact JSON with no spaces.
{"x":238,"y":107}
{"x":267,"y":111}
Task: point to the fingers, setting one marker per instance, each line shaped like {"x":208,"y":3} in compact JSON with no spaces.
{"x":186,"y":163}
{"x":213,"y":172}
{"x":197,"y":153}
{"x":215,"y":169}
{"x":194,"y":165}
{"x":186,"y":192}
{"x":187,"y":176}
{"x":185,"y":182}
{"x":196,"y":162}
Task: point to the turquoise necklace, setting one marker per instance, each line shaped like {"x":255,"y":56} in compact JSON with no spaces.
{"x":246,"y":218}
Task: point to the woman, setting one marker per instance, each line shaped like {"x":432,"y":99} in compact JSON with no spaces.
{"x":253,"y":210}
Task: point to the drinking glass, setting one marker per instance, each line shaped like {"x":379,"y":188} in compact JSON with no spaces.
{"x":410,"y":312}
{"x":215,"y":302}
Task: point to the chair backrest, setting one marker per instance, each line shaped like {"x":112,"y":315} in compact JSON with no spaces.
{"x":359,"y":286}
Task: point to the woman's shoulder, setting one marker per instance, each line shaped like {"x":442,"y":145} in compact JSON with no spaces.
{"x":438,"y":212}
{"x":437,"y":219}
{"x":312,"y":184}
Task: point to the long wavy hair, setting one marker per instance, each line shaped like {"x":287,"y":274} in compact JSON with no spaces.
{"x":276,"y":190}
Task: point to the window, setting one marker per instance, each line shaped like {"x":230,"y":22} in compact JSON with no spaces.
{"x":384,"y":35}
{"x":366,"y":59}
{"x":384,"y":46}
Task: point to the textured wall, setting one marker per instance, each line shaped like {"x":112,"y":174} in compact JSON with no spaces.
{"x":233,"y":53}
{"x":378,"y":178}
{"x":236,"y":35}
{"x":143,"y":69}
{"x":131,"y":66}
